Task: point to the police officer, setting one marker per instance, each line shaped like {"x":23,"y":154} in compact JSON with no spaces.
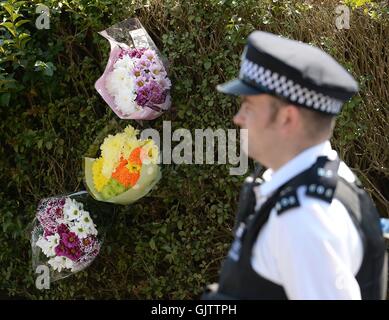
{"x":306,"y":229}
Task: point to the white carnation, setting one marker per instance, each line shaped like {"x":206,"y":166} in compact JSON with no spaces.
{"x":48,"y":245}
{"x":120,"y":84}
{"x":70,"y":203}
{"x":85,"y":219}
{"x":59,"y":263}
{"x":72,"y":210}
{"x":125,"y":63}
{"x":125,"y":102}
{"x":80,"y":230}
{"x":116,"y":80}
{"x":92,"y":230}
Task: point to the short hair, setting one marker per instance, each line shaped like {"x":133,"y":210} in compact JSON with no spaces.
{"x":317,"y":124}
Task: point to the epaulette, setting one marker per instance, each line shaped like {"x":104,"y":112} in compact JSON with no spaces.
{"x":324,"y":181}
{"x":288,"y":199}
{"x":320,"y":181}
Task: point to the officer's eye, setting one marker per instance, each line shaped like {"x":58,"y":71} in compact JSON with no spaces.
{"x":246,"y":107}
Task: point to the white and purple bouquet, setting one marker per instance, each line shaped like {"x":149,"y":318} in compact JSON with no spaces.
{"x":135,"y":83}
{"x":138,"y":80}
{"x":64,"y":236}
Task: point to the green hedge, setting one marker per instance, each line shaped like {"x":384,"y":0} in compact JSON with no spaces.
{"x":170,"y":244}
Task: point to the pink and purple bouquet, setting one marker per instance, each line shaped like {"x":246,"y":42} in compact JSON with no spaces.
{"x":64,"y":236}
{"x":135,"y":83}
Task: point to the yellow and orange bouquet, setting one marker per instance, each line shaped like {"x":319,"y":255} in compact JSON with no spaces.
{"x":126,"y":170}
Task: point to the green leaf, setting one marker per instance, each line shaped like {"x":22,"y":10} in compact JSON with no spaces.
{"x":21,"y":22}
{"x":49,"y":71}
{"x":4,"y":99}
{"x":10,"y":27}
{"x":8,"y":7}
{"x":152,"y":244}
{"x":47,"y":68}
{"x":8,"y":42}
{"x":6,"y":225}
{"x":20,"y":3}
{"x":23,"y":39}
{"x":15,"y":16}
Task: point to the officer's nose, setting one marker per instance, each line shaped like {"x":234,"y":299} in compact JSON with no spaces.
{"x":239,"y":119}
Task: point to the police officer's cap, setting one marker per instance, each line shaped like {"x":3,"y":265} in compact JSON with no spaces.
{"x":295,"y":71}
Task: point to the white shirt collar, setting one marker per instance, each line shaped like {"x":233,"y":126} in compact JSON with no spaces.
{"x":305,"y":159}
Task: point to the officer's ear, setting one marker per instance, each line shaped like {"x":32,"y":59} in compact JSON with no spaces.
{"x":289,"y":119}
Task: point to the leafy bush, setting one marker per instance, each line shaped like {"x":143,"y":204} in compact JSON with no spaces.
{"x":170,"y":244}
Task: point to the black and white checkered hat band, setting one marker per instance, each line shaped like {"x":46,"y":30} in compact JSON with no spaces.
{"x":288,"y":89}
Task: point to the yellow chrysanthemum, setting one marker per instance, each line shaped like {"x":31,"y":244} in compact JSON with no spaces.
{"x":131,"y":132}
{"x":129,"y":145}
{"x":120,"y":146}
{"x":98,"y":178}
{"x":116,"y":147}
{"x":111,"y":151}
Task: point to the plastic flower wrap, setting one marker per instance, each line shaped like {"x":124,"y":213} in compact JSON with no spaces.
{"x":126,"y":170}
{"x":64,"y":234}
{"x":135,"y":83}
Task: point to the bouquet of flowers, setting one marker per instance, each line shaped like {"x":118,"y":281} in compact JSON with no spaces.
{"x":135,"y":83}
{"x":126,"y":170}
{"x":64,"y":235}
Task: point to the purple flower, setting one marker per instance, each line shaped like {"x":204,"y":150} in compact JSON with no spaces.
{"x":149,"y":54}
{"x":49,"y":212}
{"x":58,"y":212}
{"x":49,"y":224}
{"x":69,"y":244}
{"x":142,"y":96}
{"x":62,"y":228}
{"x":143,"y":63}
{"x":74,"y":253}
{"x":133,"y":53}
{"x":61,"y":249}
{"x":70,"y":240}
{"x":157,"y":70}
{"x":150,"y":94}
{"x":165,"y":83}
{"x":146,"y":76}
{"x":47,"y":233}
{"x":88,"y":244}
{"x":54,"y":202}
{"x":140,"y":82}
{"x":157,"y":94}
{"x":136,"y":53}
{"x":124,"y":52}
{"x":71,"y":253}
{"x":136,"y":72}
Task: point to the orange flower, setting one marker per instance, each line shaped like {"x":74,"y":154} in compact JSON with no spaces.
{"x":133,"y":178}
{"x":121,"y":173}
{"x":135,"y":156}
{"x":127,"y":177}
